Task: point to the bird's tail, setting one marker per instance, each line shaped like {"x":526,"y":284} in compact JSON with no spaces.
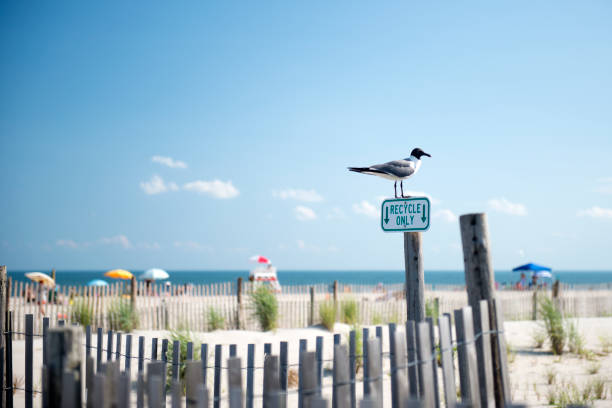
{"x":359,"y":169}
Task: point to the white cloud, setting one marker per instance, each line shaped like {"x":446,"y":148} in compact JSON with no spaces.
{"x":169,"y":161}
{"x":504,"y":206}
{"x":157,"y":185}
{"x":365,"y":208}
{"x":303,"y":213}
{"x":596,"y":212}
{"x":120,"y":240}
{"x":192,"y":246}
{"x":215,"y":188}
{"x":154,"y":246}
{"x":67,"y":243}
{"x":446,"y":214}
{"x":310,"y":196}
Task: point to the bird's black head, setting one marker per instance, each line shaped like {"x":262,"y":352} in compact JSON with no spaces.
{"x":418,"y":153}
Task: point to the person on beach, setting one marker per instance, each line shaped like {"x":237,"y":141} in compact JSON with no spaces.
{"x":522,"y":283}
{"x":41,"y":298}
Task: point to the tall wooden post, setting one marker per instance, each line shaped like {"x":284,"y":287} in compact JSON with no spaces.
{"x":480,"y":283}
{"x":239,"y":301}
{"x":3,"y":312}
{"x":133,"y":292}
{"x":336,"y":298}
{"x":415,"y":277}
{"x":311,"y":314}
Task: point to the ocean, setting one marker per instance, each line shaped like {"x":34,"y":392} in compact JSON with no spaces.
{"x":305,"y":277}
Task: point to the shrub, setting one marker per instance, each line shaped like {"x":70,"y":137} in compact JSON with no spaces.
{"x":597,"y":388}
{"x":606,"y":343}
{"x":553,"y":323}
{"x":431,"y":309}
{"x":551,"y":376}
{"x":350,"y":311}
{"x":183,"y":336}
{"x":121,"y":316}
{"x":81,"y":313}
{"x":327,"y":313}
{"x":215,"y":320}
{"x":265,"y":307}
{"x":593,"y":368}
{"x":575,"y":341}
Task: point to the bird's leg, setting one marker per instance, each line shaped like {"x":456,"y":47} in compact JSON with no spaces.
{"x":402,"y":187}
{"x":395,"y":188}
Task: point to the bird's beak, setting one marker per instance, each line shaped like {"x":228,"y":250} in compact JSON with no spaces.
{"x":426,"y":154}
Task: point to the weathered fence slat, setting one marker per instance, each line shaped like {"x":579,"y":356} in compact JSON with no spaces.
{"x":353,"y":366}
{"x":413,"y":378}
{"x":319,"y":353}
{"x":399,"y":385}
{"x":425,"y":358}
{"x":365,"y":360}
{"x":341,"y":395}
{"x":483,"y":355}
{"x":434,"y":366}
{"x":193,"y":383}
{"x":308,"y":384}
{"x":29,"y":360}
{"x":234,"y":382}
{"x":217,"y":379}
{"x":374,"y":372}
{"x":271,"y":386}
{"x":99,"y":349}
{"x":468,"y":370}
{"x":500,"y":363}
{"x":250,"y":375}
{"x":284,"y":366}
{"x":446,"y":358}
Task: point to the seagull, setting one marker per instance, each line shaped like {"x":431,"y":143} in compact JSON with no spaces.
{"x":396,"y":170}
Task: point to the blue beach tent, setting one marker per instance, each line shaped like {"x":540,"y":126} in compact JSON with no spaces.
{"x":531,"y":267}
{"x":97,"y":282}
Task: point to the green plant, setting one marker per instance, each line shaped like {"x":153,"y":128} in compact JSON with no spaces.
{"x":327,"y":313}
{"x":597,"y":388}
{"x":593,"y":368}
{"x":350,"y":311}
{"x":567,"y":394}
{"x":358,"y":345}
{"x":377,"y":319}
{"x":510,"y":353}
{"x":215,"y":320}
{"x":81,"y":313}
{"x":606,"y":343}
{"x":538,"y":337}
{"x":551,"y":376}
{"x":265,"y":307}
{"x":553,"y":323}
{"x":183,"y":336}
{"x":432,"y":309}
{"x":122,"y":316}
{"x":575,"y":341}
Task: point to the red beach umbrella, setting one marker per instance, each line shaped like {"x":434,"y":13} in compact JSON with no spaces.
{"x":259,"y":259}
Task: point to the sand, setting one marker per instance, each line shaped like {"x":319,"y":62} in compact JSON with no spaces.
{"x":528,"y":368}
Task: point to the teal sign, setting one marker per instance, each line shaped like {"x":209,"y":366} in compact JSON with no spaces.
{"x":405,"y":214}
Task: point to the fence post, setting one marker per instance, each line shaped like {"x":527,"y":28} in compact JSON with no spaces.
{"x":480,"y":284}
{"x":239,"y":303}
{"x":193,"y":381}
{"x":374,"y":369}
{"x":234,"y":382}
{"x":466,"y":351}
{"x":8,"y":386}
{"x":434,"y":366}
{"x":426,"y":382}
{"x":133,"y":292}
{"x":353,"y":366}
{"x":204,"y":357}
{"x":64,"y":355}
{"x":311,"y":313}
{"x":399,"y":382}
{"x":189,"y":355}
{"x":534,"y":304}
{"x":3,"y":311}
{"x":271,"y":392}
{"x":176,"y":350}
{"x":109,"y":346}
{"x":500,"y":364}
{"x":319,"y":351}
{"x":483,"y":353}
{"x":99,"y":350}
{"x":308,"y":378}
{"x":29,"y":361}
{"x":413,"y":377}
{"x":446,"y":357}
{"x":250,"y":374}
{"x":415,"y":276}
{"x":365,"y":360}
{"x":341,"y":392}
{"x":284,"y":355}
{"x":217,"y":385}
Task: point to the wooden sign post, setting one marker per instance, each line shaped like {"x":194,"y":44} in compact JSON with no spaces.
{"x":411,"y":216}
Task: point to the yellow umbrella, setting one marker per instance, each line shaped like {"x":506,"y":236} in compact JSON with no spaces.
{"x":119,"y":274}
{"x":41,"y":278}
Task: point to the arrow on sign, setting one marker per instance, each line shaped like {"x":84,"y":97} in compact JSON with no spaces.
{"x":386,"y":215}
{"x":423,"y":218}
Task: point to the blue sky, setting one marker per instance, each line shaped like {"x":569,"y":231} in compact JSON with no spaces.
{"x":196,"y":135}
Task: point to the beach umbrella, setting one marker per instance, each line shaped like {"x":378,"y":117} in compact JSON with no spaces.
{"x":542,"y":274}
{"x":41,"y":278}
{"x":119,"y":274}
{"x":531,"y":267}
{"x":259,"y":259}
{"x":97,"y":282}
{"x":154,"y":274}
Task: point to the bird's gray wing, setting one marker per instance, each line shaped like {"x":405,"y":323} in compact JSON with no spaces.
{"x":398,"y":168}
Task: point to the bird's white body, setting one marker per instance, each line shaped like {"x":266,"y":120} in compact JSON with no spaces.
{"x":411,"y":163}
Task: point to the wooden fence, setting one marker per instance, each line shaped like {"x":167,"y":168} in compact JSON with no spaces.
{"x":162,"y":307}
{"x":412,"y":365}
